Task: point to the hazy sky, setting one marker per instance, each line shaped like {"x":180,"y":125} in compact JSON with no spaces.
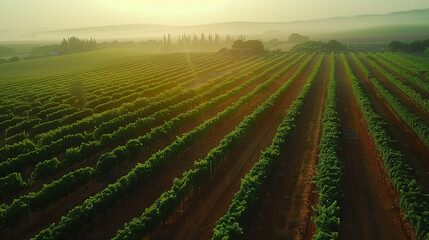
{"x":60,"y":14}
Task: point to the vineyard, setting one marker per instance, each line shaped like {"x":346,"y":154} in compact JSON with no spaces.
{"x":213,"y":146}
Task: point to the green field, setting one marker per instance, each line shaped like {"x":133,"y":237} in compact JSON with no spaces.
{"x":127,"y":144}
{"x":69,"y":64}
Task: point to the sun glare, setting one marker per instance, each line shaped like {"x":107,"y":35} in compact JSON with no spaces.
{"x":169,"y":9}
{"x":214,"y":119}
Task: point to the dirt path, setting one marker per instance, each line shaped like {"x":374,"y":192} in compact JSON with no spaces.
{"x":402,"y":97}
{"x":105,"y":227}
{"x":406,"y":140}
{"x":369,"y":209}
{"x":281,"y":212}
{"x":54,"y":212}
{"x":198,"y":218}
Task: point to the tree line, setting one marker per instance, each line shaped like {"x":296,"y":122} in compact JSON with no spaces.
{"x":67,"y":46}
{"x":203,"y":42}
{"x":417,"y":46}
{"x":318,"y":46}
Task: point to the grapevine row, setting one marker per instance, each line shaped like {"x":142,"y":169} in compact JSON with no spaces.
{"x":228,"y":226}
{"x":132,"y":147}
{"x":415,"y":80}
{"x":412,"y":199}
{"x":47,"y":151}
{"x":73,"y":155}
{"x":414,"y":66}
{"x":411,"y":93}
{"x":329,"y":168}
{"x":143,"y":172}
{"x":419,"y":126}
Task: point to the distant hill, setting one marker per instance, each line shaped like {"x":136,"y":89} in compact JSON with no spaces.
{"x":127,"y":28}
{"x":405,"y":25}
{"x":382,"y":33}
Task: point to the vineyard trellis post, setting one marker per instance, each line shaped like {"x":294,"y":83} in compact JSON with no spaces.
{"x":29,"y":212}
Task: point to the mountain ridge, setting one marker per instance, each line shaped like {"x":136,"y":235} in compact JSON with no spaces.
{"x":317,"y":29}
{"x":247,"y":22}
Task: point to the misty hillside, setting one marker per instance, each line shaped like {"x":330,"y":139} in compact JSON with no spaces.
{"x":405,"y":25}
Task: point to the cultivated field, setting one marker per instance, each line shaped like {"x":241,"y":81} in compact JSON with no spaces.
{"x":204,"y":145}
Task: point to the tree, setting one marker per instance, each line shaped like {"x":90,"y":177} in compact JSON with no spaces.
{"x":6,"y":50}
{"x":255,"y":45}
{"x":46,"y":50}
{"x":169,"y":40}
{"x":427,"y":51}
{"x":396,"y":46}
{"x":74,"y":44}
{"x":418,"y":46}
{"x":202,"y":40}
{"x":334,"y":45}
{"x":14,"y":59}
{"x":297,"y":38}
{"x":76,"y":89}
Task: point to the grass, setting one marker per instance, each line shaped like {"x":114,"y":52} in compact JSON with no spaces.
{"x":25,"y":69}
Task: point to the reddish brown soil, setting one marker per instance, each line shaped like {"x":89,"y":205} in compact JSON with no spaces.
{"x":92,"y":161}
{"x":369,"y":209}
{"x":22,"y":230}
{"x":187,"y":70}
{"x":402,"y":97}
{"x":213,"y":112}
{"x":284,"y":210}
{"x":106,"y":226}
{"x":37,"y":186}
{"x":25,"y":173}
{"x":405,"y":69}
{"x":406,"y":140}
{"x":404,"y":80}
{"x":198,"y":219}
{"x":52,"y":213}
{"x":201,"y":79}
{"x":2,"y":141}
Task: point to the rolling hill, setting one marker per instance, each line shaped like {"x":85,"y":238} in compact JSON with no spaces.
{"x":404,"y":25}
